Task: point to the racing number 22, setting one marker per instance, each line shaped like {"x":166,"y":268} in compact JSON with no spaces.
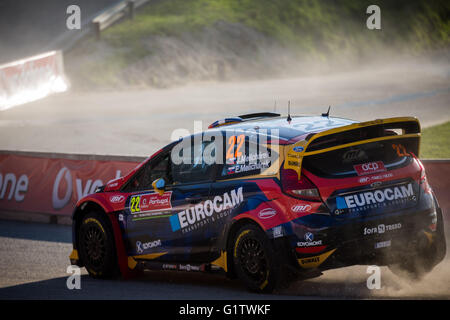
{"x":231,"y":143}
{"x":134,"y":204}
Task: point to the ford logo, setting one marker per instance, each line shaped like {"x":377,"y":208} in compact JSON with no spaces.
{"x":298,"y":149}
{"x":117,"y":199}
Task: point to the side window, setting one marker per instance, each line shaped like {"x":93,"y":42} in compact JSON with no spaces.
{"x":161,"y":169}
{"x":244,"y":157}
{"x":158,"y":168}
{"x":198,"y":169}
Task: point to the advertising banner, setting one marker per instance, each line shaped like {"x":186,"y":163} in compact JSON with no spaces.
{"x":30,"y":79}
{"x":52,"y":185}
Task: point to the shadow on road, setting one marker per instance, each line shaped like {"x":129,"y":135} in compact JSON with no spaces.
{"x":173,"y":286}
{"x":35,"y":231}
{"x":158,"y":285}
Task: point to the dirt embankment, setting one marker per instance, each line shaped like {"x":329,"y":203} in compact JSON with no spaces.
{"x":175,"y":42}
{"x":224,"y":51}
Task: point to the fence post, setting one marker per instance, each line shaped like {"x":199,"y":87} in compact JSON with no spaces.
{"x":96,"y":29}
{"x":131,"y":8}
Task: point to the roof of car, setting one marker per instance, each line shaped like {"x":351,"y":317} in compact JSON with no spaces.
{"x":298,"y":126}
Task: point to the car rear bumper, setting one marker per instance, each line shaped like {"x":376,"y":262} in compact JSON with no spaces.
{"x":381,"y":241}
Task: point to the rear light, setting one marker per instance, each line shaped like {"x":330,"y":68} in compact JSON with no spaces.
{"x":303,"y":188}
{"x":424,"y":182}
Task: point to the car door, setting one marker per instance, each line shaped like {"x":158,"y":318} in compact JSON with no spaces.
{"x":147,"y":211}
{"x":191,"y":223}
{"x":168,"y":225}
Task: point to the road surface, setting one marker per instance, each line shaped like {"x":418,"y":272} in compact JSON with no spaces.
{"x":34,"y":261}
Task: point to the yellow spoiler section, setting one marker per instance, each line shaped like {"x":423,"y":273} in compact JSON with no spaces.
{"x":295,"y":153}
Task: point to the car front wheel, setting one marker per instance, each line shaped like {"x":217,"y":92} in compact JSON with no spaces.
{"x":96,"y":245}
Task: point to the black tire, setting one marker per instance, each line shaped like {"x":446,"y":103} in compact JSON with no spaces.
{"x":96,"y":246}
{"x":254,"y":260}
{"x":415,"y":268}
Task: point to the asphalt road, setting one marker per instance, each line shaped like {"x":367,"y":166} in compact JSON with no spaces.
{"x":139,"y":122}
{"x":34,"y":261}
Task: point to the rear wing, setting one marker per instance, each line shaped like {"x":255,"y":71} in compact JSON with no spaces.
{"x":351,"y":135}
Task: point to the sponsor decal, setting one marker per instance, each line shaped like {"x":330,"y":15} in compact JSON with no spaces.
{"x":150,"y":202}
{"x":168,"y":266}
{"x":383,"y":244}
{"x":267,"y":213}
{"x":354,"y":155}
{"x":189,"y":267}
{"x":301,"y":208}
{"x":117,"y":199}
{"x":313,"y":262}
{"x":120,"y":217}
{"x":374,"y":178}
{"x":293,"y":163}
{"x":377,"y":199}
{"x":382,"y":228}
{"x":298,"y":149}
{"x":309,"y":241}
{"x":293,"y":156}
{"x":277,"y":232}
{"x":206,"y":212}
{"x":369,"y":168}
{"x":141,"y":246}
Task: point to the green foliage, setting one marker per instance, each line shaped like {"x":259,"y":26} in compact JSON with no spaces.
{"x":307,"y":25}
{"x":435,"y":142}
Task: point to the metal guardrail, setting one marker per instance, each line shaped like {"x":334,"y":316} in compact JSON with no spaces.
{"x":96,"y":23}
{"x":121,"y":10}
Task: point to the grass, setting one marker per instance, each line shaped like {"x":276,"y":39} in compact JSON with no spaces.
{"x":435,"y":142}
{"x":311,"y":26}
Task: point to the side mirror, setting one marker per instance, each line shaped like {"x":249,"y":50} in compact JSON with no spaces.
{"x":159,"y":185}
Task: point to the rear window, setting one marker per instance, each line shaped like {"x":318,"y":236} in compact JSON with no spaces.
{"x":387,"y":129}
{"x":348,"y":162}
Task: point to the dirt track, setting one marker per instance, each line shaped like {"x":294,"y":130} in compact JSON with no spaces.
{"x":142,"y":121}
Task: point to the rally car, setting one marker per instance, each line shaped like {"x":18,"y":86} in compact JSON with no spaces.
{"x":262,"y":196}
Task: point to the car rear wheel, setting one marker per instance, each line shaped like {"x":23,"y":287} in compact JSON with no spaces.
{"x":96,"y":245}
{"x":254,"y":260}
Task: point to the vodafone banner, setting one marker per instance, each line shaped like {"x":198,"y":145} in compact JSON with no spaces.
{"x":32,"y":78}
{"x":52,"y":185}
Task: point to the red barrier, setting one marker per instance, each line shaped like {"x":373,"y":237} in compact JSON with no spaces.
{"x":438,"y":175}
{"x":52,"y":185}
{"x":45,"y":183}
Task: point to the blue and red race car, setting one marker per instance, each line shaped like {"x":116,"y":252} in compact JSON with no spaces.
{"x":268,"y":199}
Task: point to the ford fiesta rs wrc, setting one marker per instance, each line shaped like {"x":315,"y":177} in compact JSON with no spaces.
{"x":268,"y":199}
